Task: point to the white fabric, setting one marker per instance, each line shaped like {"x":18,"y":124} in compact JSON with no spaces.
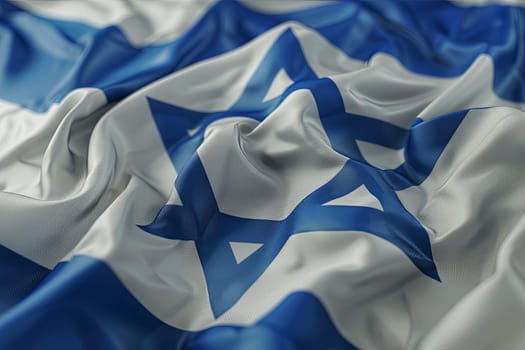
{"x":280,"y":174}
{"x":276,"y":6}
{"x":143,"y":22}
{"x":488,"y":2}
{"x":360,"y":197}
{"x":281,"y":82}
{"x":381,"y":157}
{"x":242,"y":250}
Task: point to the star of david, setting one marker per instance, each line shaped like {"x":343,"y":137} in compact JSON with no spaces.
{"x":235,"y":251}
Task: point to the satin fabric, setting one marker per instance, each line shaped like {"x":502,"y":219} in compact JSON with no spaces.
{"x":91,"y":153}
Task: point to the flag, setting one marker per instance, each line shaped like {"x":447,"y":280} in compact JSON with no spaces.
{"x":262,"y":174}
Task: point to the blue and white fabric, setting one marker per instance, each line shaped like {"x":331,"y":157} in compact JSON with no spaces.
{"x":262,"y":174}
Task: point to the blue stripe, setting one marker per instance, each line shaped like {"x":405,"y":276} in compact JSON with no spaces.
{"x":41,"y":59}
{"x":19,"y":276}
{"x":82,"y":305}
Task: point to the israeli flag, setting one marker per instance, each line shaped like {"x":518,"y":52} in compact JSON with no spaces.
{"x":262,"y":175}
